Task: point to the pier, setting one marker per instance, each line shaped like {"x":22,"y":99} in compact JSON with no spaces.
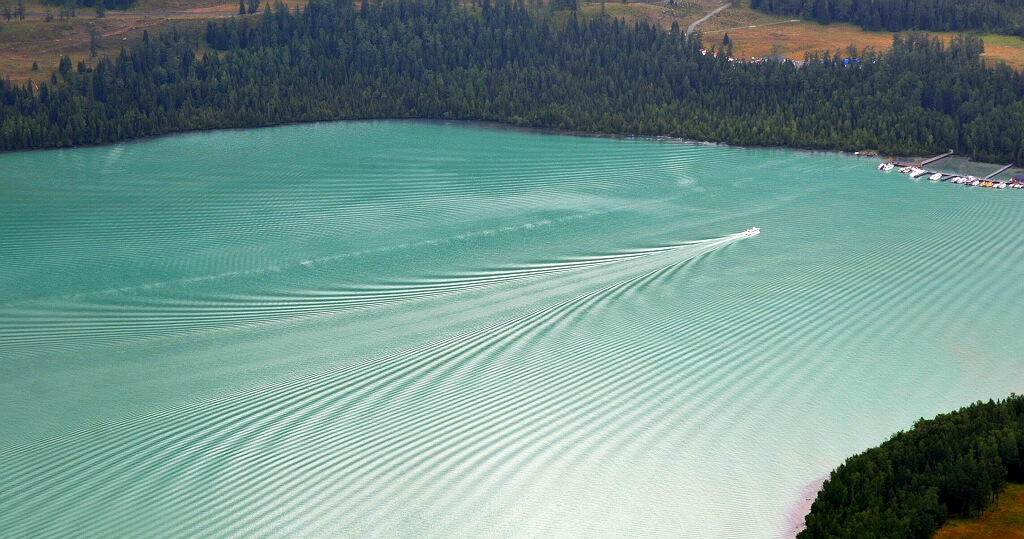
{"x":998,"y":172}
{"x":917,"y":170}
{"x":936,"y":158}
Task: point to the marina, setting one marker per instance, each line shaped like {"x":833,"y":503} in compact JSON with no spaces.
{"x":916,"y":170}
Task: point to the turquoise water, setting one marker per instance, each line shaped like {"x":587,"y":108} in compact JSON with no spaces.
{"x":419,"y":329}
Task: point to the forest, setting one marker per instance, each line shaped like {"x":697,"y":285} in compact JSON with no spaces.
{"x":953,"y":465}
{"x":1003,"y":16}
{"x":504,"y":63}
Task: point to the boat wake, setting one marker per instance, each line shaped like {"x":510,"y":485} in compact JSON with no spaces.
{"x":67,"y":325}
{"x":456,"y":414}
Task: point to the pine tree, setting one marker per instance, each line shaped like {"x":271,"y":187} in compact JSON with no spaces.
{"x":65,"y":66}
{"x":94,"y":41}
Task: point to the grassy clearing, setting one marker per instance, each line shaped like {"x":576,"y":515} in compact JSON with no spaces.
{"x":1005,"y":521}
{"x":738,"y":16}
{"x":759,"y":34}
{"x":198,"y":7}
{"x":34,"y":40}
{"x":753,"y":33}
{"x":1009,"y":49}
{"x":795,"y":39}
{"x":658,"y":14}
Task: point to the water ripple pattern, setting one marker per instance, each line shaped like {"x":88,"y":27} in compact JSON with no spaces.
{"x":418,"y":329}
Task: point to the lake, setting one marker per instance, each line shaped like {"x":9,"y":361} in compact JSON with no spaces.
{"x":430,"y":330}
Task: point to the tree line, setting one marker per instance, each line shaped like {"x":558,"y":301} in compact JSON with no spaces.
{"x":501,"y":62}
{"x":955,"y":464}
{"x":106,"y":4}
{"x":1003,"y":16}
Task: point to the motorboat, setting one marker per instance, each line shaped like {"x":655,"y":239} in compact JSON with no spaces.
{"x":935,"y":177}
{"x":750,"y":232}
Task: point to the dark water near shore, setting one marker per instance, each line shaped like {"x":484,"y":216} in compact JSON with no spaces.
{"x":416,"y":329}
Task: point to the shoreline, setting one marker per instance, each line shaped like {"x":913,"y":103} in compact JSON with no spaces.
{"x":487,"y":124}
{"x":795,"y":518}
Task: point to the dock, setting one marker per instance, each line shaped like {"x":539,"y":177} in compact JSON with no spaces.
{"x":936,"y":158}
{"x":917,"y":171}
{"x":920,"y":164}
{"x":998,"y":172}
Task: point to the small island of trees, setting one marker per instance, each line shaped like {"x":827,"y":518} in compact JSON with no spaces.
{"x":954,"y":465}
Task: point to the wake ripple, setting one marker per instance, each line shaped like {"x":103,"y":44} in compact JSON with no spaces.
{"x":112,"y":319}
{"x":449,"y":416}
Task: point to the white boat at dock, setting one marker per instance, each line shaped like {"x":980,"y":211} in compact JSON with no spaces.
{"x":918,"y":171}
